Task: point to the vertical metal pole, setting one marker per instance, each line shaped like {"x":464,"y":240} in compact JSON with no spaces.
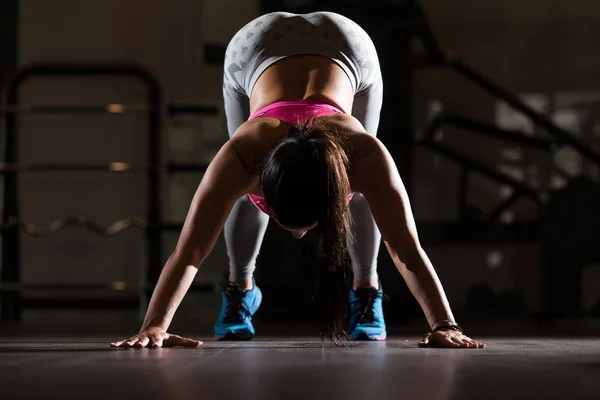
{"x":154,"y":216}
{"x":10,"y":302}
{"x":9,"y":32}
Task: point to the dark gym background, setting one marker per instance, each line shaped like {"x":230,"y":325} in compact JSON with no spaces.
{"x":509,"y":263}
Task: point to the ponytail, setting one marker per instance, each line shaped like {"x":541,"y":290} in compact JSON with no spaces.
{"x":332,"y":232}
{"x":305,"y":180}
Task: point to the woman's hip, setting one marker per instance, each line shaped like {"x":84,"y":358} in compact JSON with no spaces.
{"x":272,"y":37}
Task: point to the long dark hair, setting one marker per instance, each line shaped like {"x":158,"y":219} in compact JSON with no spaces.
{"x":304,"y":180}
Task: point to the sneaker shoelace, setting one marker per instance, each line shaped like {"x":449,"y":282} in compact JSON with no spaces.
{"x":236,"y":310}
{"x":366,"y":301}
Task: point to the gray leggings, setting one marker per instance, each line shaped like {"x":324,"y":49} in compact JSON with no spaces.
{"x":253,"y":49}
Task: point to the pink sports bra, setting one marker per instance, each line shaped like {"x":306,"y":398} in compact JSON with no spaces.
{"x":296,"y":111}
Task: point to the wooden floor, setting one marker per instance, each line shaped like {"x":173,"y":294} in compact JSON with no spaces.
{"x":299,"y":368}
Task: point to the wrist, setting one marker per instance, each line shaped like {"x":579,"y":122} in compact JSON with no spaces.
{"x":444,"y":325}
{"x":443,"y":322}
{"x":158,"y":322}
{"x":443,"y":328}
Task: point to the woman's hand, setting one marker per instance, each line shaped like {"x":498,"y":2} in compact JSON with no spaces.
{"x":156,"y":337}
{"x":449,"y":338}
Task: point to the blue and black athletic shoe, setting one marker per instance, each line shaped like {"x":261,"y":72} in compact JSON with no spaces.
{"x":238,"y":307}
{"x":366,"y":320}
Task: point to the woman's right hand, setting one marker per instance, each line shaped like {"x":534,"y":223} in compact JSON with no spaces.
{"x":156,"y":337}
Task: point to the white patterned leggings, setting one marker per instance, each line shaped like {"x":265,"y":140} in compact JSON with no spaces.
{"x":259,"y":44}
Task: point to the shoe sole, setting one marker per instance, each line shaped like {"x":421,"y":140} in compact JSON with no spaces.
{"x":235,"y":337}
{"x":366,"y":338}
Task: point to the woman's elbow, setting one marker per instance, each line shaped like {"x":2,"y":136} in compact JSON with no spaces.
{"x":193,"y":256}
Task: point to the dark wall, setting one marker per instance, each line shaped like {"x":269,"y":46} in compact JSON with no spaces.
{"x":543,"y":51}
{"x":168,"y":38}
{"x":534,"y":47}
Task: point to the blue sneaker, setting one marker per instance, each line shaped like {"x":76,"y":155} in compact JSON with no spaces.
{"x":366,"y":320}
{"x":238,"y":307}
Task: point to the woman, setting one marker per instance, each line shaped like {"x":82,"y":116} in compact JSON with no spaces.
{"x":302,"y":97}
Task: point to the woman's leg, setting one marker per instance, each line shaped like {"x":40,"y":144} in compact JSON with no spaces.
{"x":244,"y":231}
{"x":366,"y":240}
{"x":365,"y":243}
{"x":366,"y":319}
{"x":245,"y":227}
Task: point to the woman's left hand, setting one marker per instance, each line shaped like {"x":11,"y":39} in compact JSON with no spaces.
{"x":449,"y":338}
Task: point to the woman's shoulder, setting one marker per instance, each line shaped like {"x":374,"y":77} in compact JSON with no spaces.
{"x":254,"y":138}
{"x":357,"y":140}
{"x":342,"y":122}
{"x":259,"y":128}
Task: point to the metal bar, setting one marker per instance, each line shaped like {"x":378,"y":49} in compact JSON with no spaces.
{"x":10,"y":270}
{"x":46,"y":230}
{"x":117,"y":301}
{"x":118,"y":167}
{"x":9,"y":49}
{"x":495,"y":132}
{"x":113,"y":167}
{"x":81,"y":303}
{"x":113,"y":109}
{"x":503,"y":206}
{"x":154,"y":211}
{"x":484,"y":169}
{"x":114,"y":287}
{"x":176,"y":109}
{"x":563,"y":137}
{"x":186,"y":167}
{"x":442,"y":118}
{"x":11,"y":305}
{"x":9,"y":32}
{"x":79,"y":69}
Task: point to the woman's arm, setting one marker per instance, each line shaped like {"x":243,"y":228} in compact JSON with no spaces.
{"x":225,"y":181}
{"x":376,"y":176}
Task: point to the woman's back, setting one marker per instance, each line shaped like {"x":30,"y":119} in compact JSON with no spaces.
{"x":303,"y":77}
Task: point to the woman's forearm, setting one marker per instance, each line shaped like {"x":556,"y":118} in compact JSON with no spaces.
{"x":224,"y":182}
{"x":174,"y":282}
{"x":423,"y":282}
